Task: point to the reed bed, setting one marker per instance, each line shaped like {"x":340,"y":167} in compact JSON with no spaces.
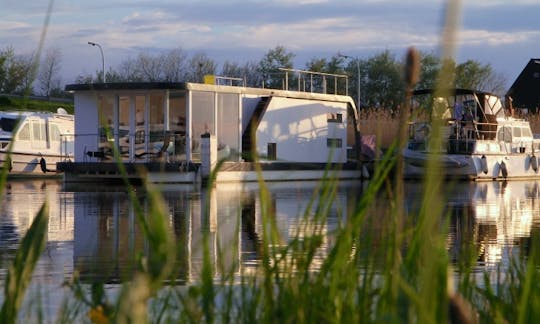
{"x":381,"y":122}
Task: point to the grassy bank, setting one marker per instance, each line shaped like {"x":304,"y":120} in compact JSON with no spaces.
{"x":27,"y":104}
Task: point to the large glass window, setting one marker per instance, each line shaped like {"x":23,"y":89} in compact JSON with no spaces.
{"x":202,"y":119}
{"x":106,"y":122}
{"x":54,"y":133}
{"x":228,"y":121}
{"x":24,"y":133}
{"x":177,"y":122}
{"x":156,"y":111}
{"x":39,"y":135}
{"x":123,"y":128}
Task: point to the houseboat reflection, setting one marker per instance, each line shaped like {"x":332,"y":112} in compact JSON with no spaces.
{"x":108,"y":240}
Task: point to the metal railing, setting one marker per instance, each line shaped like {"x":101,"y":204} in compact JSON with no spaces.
{"x":311,"y":78}
{"x":133,"y":147}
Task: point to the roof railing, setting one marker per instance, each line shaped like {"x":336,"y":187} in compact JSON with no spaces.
{"x":312,"y":81}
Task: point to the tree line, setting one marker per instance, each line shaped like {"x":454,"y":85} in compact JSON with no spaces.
{"x":380,"y":75}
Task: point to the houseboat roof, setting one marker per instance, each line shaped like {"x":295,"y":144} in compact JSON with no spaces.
{"x":127,"y":86}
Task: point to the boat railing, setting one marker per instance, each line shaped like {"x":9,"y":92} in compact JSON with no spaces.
{"x":319,"y":82}
{"x":137,"y":147}
{"x":487,"y":131}
{"x":67,"y":145}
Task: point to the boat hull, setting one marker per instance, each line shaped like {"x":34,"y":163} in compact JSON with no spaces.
{"x":30,"y":164}
{"x":474,"y":166}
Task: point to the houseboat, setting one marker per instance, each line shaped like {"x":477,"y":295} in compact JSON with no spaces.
{"x":477,"y":139}
{"x":180,"y":132}
{"x":32,"y":143}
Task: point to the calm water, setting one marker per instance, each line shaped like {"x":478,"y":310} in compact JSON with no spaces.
{"x":93,"y":230}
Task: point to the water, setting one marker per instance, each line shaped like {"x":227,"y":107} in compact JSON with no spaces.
{"x":93,"y":230}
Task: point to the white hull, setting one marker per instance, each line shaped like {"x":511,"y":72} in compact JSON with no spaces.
{"x":28,"y":163}
{"x":474,"y":166}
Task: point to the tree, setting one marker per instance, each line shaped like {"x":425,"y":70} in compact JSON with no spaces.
{"x":328,"y":66}
{"x":49,"y":73}
{"x":384,"y":86}
{"x":150,"y":68}
{"x":84,"y":79}
{"x":247,"y":72}
{"x":430,"y":65}
{"x":28,"y":68}
{"x":270,"y":64}
{"x":16,"y":72}
{"x":199,"y":66}
{"x":174,"y":65}
{"x":470,"y":75}
{"x":474,"y":75}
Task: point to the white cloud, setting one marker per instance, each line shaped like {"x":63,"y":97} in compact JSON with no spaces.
{"x":489,"y":38}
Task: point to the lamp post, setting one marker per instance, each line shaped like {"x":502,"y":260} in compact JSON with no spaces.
{"x":358,"y":76}
{"x":102,"y":58}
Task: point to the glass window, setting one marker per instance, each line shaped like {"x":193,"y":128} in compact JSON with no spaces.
{"x":334,"y":142}
{"x":106,"y":119}
{"x":505,"y":134}
{"x":202,"y":117}
{"x":517,"y":132}
{"x":8,"y":124}
{"x":177,"y":121}
{"x":38,"y":131}
{"x":526,"y":132}
{"x":177,"y":112}
{"x":228,"y":121}
{"x":54,"y":133}
{"x":334,"y":118}
{"x":24,"y":133}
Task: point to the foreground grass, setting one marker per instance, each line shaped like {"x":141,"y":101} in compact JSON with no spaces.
{"x":385,"y":267}
{"x":389,"y":268}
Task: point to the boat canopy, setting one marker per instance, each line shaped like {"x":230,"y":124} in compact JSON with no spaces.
{"x":463,"y":103}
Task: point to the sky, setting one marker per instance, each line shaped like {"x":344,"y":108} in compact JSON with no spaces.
{"x":502,"y":33}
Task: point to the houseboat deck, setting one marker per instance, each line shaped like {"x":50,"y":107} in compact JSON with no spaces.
{"x":187,"y":172}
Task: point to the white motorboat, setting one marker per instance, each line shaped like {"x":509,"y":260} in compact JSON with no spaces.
{"x":477,"y":139}
{"x":31,"y":143}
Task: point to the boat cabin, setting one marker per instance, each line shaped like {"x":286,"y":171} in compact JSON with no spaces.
{"x":465,"y":116}
{"x":142,"y":122}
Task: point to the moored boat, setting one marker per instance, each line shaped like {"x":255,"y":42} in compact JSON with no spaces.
{"x":31,"y":143}
{"x":178,"y":132}
{"x":477,"y":139}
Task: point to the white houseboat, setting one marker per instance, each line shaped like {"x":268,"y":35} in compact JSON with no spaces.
{"x":177,"y":132}
{"x":31,"y":143}
{"x":478,"y":139}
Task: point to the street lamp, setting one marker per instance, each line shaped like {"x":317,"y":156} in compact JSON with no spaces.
{"x":102,"y":58}
{"x":358,"y":76}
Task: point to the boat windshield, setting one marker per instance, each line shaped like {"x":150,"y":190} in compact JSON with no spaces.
{"x":8,"y":124}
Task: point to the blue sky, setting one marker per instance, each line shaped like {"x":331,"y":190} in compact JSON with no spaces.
{"x":505,"y":34}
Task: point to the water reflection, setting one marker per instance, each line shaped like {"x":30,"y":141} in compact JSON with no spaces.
{"x":497,"y":217}
{"x":108,"y":239}
{"x":94,"y":230}
{"x":20,"y":203}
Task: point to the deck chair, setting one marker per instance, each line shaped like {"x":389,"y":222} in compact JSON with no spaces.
{"x":158,"y":154}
